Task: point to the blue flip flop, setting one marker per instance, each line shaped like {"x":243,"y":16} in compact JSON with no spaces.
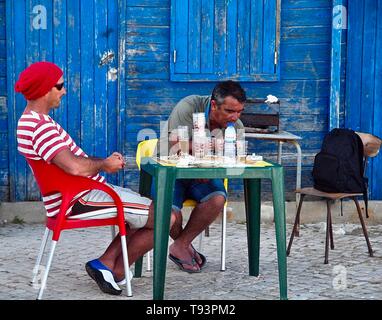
{"x":180,"y":264}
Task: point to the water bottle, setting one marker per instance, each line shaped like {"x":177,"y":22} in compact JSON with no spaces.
{"x":230,"y":143}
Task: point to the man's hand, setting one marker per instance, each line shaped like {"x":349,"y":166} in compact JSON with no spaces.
{"x":83,"y":166}
{"x":113,"y":163}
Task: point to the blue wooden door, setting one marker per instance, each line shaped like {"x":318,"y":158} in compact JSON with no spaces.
{"x":82,"y":38}
{"x":364,"y":78}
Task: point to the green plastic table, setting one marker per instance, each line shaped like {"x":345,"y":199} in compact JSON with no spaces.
{"x":165,"y":177}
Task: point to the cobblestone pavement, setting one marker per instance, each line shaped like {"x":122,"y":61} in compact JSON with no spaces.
{"x":350,"y":274}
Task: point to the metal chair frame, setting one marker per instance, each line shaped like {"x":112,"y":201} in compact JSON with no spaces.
{"x":51,"y":179}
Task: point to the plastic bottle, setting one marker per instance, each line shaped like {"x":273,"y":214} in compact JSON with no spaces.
{"x":230,"y":143}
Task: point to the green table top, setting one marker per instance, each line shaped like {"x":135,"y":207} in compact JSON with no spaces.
{"x":151,"y":165}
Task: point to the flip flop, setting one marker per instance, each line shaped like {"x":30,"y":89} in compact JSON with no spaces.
{"x":202,"y":256}
{"x":180,"y":264}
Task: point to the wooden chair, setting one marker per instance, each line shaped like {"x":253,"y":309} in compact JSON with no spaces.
{"x":330,"y":198}
{"x":371,"y":147}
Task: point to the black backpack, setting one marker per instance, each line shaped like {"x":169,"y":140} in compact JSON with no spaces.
{"x":339,"y":166}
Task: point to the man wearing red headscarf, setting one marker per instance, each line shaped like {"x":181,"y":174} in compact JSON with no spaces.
{"x":41,"y":138}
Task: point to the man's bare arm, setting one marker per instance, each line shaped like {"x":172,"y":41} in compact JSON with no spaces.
{"x":82,"y":166}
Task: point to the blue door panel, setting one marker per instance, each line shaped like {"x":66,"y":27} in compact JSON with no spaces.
{"x":364,"y":78}
{"x":75,"y":35}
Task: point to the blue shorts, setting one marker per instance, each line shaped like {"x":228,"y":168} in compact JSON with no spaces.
{"x":192,"y":189}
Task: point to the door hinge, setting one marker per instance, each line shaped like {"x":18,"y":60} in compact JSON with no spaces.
{"x":174,"y":56}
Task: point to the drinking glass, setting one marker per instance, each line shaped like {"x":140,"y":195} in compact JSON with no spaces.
{"x":241,"y":149}
{"x":219,"y":147}
{"x":183,"y":139}
{"x":198,"y":121}
{"x":198,"y":146}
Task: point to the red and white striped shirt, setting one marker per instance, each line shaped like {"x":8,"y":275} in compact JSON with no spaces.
{"x":40,"y":137}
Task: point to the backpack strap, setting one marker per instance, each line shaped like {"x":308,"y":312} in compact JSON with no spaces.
{"x":363,"y":165}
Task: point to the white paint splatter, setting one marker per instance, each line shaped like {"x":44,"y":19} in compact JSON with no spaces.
{"x":112,"y":75}
{"x":107,"y":57}
{"x":271,"y":99}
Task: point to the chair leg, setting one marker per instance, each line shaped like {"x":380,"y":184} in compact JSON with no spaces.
{"x":148,"y":260}
{"x":297,"y":230}
{"x":296,"y":221}
{"x":126,"y":266}
{"x":46,"y":272}
{"x":201,"y":235}
{"x":363,"y":227}
{"x":223,"y":248}
{"x":328,"y":223}
{"x":207,"y":231}
{"x":40,"y":255}
{"x":331,"y":231}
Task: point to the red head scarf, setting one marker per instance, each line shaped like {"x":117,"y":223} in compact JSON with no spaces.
{"x":38,"y":79}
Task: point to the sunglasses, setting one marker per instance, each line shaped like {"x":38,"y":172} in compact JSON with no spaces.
{"x":59,"y":86}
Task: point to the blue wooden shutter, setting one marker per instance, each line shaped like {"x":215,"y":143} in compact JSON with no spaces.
{"x":219,"y":40}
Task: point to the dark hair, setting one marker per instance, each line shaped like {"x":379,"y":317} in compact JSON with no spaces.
{"x":228,"y":88}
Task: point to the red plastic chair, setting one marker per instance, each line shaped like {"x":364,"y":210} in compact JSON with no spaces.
{"x":51,"y":179}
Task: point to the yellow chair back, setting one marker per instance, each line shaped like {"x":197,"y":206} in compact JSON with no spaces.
{"x":145,"y":148}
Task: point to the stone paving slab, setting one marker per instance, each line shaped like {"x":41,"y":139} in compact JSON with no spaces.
{"x":350,"y":274}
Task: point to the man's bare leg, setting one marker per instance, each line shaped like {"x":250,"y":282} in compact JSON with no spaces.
{"x":177,"y":228}
{"x":139,"y":241}
{"x":201,"y":217}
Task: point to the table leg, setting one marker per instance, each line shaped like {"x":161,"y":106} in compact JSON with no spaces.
{"x":164,"y":185}
{"x":298,"y":179}
{"x":280,"y":151}
{"x":280,"y":227}
{"x":252,"y":194}
{"x":145,"y":181}
{"x":298,"y":173}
